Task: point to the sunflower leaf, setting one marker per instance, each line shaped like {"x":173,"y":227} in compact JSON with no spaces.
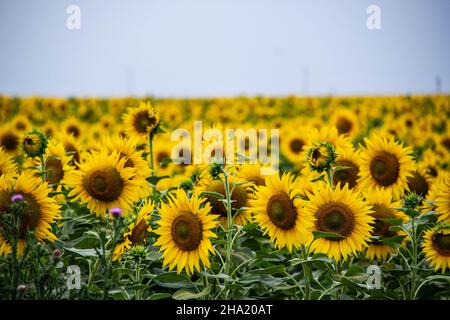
{"x":155,"y":179}
{"x":392,"y":221}
{"x":340,"y":168}
{"x":213,"y":194}
{"x":184,"y":294}
{"x":329,"y":235}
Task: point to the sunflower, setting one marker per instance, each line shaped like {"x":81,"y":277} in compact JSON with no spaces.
{"x":240,"y":197}
{"x":293,"y":143}
{"x":339,"y":211}
{"x":278,"y":211}
{"x":71,"y":146}
{"x":137,"y":231}
{"x":9,"y":140}
{"x":385,"y":164}
{"x":420,"y":182}
{"x":127,"y":149}
{"x":141,"y":121}
{"x":383,"y":207}
{"x":185,"y":230}
{"x":345,"y":121}
{"x":442,"y":200}
{"x":103,"y":182}
{"x":21,"y":123}
{"x":74,"y":127}
{"x":7,"y":164}
{"x":39,"y":212}
{"x":252,"y":174}
{"x":350,"y":175}
{"x":330,"y":135}
{"x":436,"y":246}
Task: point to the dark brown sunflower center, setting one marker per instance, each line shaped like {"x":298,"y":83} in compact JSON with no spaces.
{"x":381,"y":228}
{"x":74,"y":130}
{"x":384,"y":168}
{"x":129,"y":163}
{"x":281,"y":211}
{"x":54,"y":170}
{"x":143,"y":120}
{"x":71,"y":150}
{"x":446,"y":143}
{"x":20,"y":126}
{"x":104,"y":185}
{"x":296,"y":145}
{"x":344,"y":125}
{"x":336,"y":218}
{"x":441,"y":243}
{"x":418,"y":184}
{"x":432,"y":171}
{"x":31,"y":215}
{"x":160,"y":157}
{"x":139,"y":233}
{"x":257,"y":180}
{"x":346,"y":176}
{"x":239,"y":198}
{"x":187,"y":231}
{"x":9,"y":142}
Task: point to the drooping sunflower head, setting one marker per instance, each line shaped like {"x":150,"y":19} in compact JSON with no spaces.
{"x":436,"y":246}
{"x":321,"y":156}
{"x":57,"y":164}
{"x":185,"y":231}
{"x":39,"y":210}
{"x":141,"y":121}
{"x":278,"y":211}
{"x":34,"y":143}
{"x":385,"y":217}
{"x":103,"y":182}
{"x":386,"y":164}
{"x":340,"y":211}
{"x":137,"y":231}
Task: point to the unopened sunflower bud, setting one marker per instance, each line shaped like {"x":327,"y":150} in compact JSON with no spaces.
{"x":412,"y":201}
{"x":34,"y":143}
{"x":215,"y":169}
{"x":187,"y":185}
{"x":321,"y":156}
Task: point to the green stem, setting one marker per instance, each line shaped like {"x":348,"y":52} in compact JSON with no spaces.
{"x":330,"y":177}
{"x":229,"y":226}
{"x":138,"y":295}
{"x":414,"y":257}
{"x":307,"y":273}
{"x":150,"y":146}
{"x":43,"y":168}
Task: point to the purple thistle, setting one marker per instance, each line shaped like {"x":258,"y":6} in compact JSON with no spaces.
{"x":17,"y":197}
{"x":116,"y":212}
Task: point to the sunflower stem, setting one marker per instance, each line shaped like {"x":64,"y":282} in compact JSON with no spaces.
{"x":414,"y":257}
{"x":229,"y":226}
{"x":150,"y":146}
{"x":330,"y":177}
{"x":43,"y":174}
{"x":307,"y":272}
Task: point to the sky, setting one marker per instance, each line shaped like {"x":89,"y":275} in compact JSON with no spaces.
{"x":179,"y":48}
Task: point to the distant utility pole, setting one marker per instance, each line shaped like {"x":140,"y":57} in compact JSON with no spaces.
{"x":438,"y":83}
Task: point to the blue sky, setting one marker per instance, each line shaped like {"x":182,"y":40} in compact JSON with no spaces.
{"x":209,"y":48}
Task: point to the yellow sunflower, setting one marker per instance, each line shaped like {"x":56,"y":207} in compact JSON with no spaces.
{"x":40,"y":210}
{"x":252,"y":174}
{"x":343,"y":212}
{"x":127,"y":149}
{"x":293,"y":143}
{"x":386,"y":164}
{"x":9,"y":140}
{"x":7,"y":164}
{"x":436,"y":246}
{"x":137,"y":231}
{"x":141,"y":121}
{"x":345,"y":121}
{"x":103,"y":182}
{"x":383,"y":207}
{"x":278,"y":211}
{"x":185,"y":230}
{"x":442,"y":200}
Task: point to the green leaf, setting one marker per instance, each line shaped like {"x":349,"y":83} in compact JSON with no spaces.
{"x":273,"y":270}
{"x":213,"y":194}
{"x":184,"y":294}
{"x":155,"y":179}
{"x":170,"y":277}
{"x":328,"y":235}
{"x":340,"y":168}
{"x":159,"y":296}
{"x":321,"y":178}
{"x":83,"y":252}
{"x":393,"y":241}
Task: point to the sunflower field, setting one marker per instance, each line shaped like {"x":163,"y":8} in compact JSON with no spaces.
{"x":93,"y":205}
